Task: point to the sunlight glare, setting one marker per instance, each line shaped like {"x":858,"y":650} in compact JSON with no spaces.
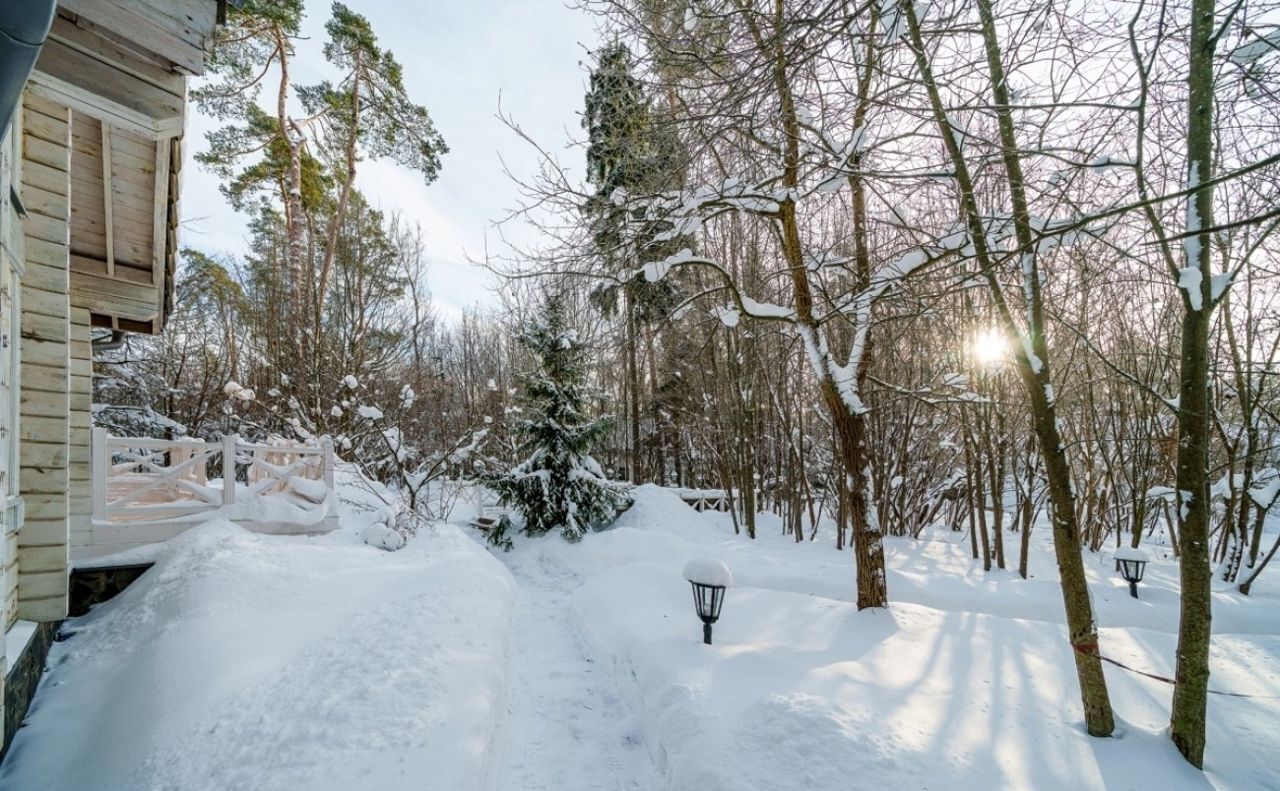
{"x":990,"y":347}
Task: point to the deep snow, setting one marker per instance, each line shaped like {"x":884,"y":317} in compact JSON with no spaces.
{"x":966,"y":682}
{"x":244,"y":661}
{"x":262,"y":662}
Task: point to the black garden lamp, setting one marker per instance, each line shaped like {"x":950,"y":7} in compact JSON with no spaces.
{"x":710,"y":579}
{"x":1131,"y":564}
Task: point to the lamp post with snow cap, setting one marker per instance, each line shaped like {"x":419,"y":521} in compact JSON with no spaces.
{"x":1131,"y":563}
{"x":710,"y":579}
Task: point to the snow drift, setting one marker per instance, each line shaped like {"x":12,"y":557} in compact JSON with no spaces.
{"x":248,"y":661}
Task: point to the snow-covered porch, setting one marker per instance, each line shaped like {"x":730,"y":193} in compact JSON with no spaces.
{"x":145,"y":490}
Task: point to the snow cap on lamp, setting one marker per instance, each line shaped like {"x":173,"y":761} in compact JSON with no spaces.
{"x":708,"y":571}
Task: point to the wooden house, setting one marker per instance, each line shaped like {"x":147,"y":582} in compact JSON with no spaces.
{"x":89,"y":168}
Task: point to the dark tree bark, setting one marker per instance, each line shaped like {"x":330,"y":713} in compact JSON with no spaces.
{"x":1190,"y":693}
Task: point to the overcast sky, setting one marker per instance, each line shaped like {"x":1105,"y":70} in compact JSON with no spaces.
{"x":458,"y":58}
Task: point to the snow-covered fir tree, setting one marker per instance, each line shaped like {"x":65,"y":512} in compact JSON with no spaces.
{"x":558,"y":485}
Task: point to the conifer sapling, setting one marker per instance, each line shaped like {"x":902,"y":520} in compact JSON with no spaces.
{"x":558,"y":485}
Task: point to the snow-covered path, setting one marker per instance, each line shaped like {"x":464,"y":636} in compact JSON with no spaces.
{"x":566,"y":726}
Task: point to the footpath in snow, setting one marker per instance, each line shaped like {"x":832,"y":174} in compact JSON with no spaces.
{"x":566,"y":725}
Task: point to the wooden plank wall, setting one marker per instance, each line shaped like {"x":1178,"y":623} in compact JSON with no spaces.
{"x":180,"y":31}
{"x":118,"y":210}
{"x":12,"y":252}
{"x":132,"y":163}
{"x":79,"y":452}
{"x":46,"y":363}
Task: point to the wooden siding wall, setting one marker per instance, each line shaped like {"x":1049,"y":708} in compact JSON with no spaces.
{"x":12,"y":253}
{"x":127,"y":106}
{"x":80,"y":455}
{"x":119,"y":209}
{"x":46,"y":330}
{"x":132,"y":165}
{"x":179,"y":31}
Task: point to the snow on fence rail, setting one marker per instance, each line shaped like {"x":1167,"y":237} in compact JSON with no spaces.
{"x":146,"y":490}
{"x":705,"y":499}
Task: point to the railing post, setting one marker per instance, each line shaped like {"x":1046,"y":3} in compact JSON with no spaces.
{"x":101,"y":468}
{"x":178,"y":455}
{"x":199,"y":473}
{"x":229,"y":442}
{"x":326,"y":446}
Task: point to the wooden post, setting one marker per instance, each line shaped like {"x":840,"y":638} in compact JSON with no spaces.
{"x":108,"y":198}
{"x":326,"y":446}
{"x":229,"y":442}
{"x":198,"y":472}
{"x":178,"y":455}
{"x":101,"y":468}
{"x":254,"y":475}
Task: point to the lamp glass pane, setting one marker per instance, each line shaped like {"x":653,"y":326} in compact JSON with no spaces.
{"x":1132,"y":569}
{"x":708,"y":599}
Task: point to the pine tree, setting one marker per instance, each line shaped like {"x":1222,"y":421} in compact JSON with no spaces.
{"x":559,"y":484}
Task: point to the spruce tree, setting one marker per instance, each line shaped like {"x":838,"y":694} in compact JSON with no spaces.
{"x":631,"y":149}
{"x":558,"y":485}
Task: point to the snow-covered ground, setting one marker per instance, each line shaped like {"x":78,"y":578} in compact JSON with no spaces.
{"x":246,"y":661}
{"x":967,"y":682}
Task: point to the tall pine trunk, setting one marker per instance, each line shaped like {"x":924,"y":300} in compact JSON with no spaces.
{"x":633,"y":392}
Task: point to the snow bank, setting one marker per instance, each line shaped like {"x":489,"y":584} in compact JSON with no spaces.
{"x":806,"y":692}
{"x":252,"y":661}
{"x":1129,"y":553}
{"x":937,"y":571}
{"x":383,"y":537}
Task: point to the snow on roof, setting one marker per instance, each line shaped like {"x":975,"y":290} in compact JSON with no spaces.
{"x":708,"y":571}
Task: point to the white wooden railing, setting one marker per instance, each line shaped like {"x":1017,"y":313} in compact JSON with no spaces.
{"x":704,"y":499}
{"x":141,"y":479}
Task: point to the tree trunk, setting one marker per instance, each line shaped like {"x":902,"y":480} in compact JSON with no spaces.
{"x":344,"y":199}
{"x":633,"y":393}
{"x":850,"y":426}
{"x":293,"y":212}
{"x":1028,"y":521}
{"x":1032,"y":360}
{"x":1190,"y":693}
{"x":1247,"y":585}
{"x":868,"y":545}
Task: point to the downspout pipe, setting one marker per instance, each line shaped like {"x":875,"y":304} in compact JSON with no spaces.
{"x":110,"y":344}
{"x":24,"y":25}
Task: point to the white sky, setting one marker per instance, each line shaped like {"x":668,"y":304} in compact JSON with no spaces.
{"x":459,"y":57}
